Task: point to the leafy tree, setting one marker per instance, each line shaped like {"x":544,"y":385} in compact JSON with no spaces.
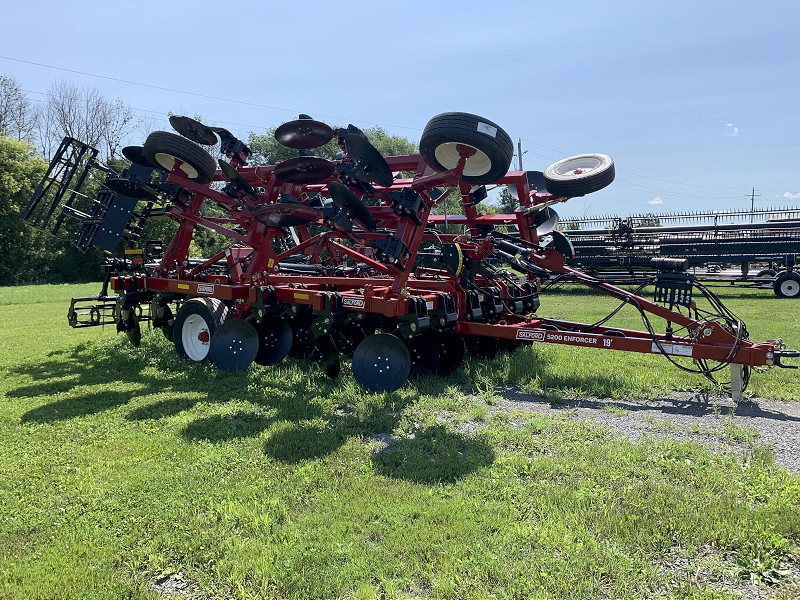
{"x":507,"y":203}
{"x":20,"y":171}
{"x":268,"y":151}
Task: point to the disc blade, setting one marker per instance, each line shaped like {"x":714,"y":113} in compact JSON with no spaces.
{"x":329,"y":355}
{"x":563,"y":244}
{"x":275,"y":340}
{"x":303,"y":134}
{"x":286,"y":215}
{"x":545,"y":221}
{"x":348,"y":337}
{"x":369,"y":159}
{"x":347,"y":201}
{"x":193,"y":130}
{"x":304,"y":169}
{"x":129,"y":187}
{"x":231,"y":174}
{"x":381,"y":363}
{"x":302,"y":344}
{"x":481,"y":346}
{"x":451,"y":352}
{"x":234,"y":346}
{"x":134,"y":334}
{"x":135,"y":155}
{"x":424,"y":353}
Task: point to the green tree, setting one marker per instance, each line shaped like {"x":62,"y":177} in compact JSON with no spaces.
{"x":20,"y":171}
{"x":268,"y":151}
{"x":507,"y":203}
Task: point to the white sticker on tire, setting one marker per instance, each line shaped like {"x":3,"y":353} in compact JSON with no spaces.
{"x":487,"y":129}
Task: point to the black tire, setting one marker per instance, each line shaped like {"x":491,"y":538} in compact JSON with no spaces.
{"x":787,"y":285}
{"x":766,"y":273}
{"x":196,"y":323}
{"x":162,"y":148}
{"x":494,"y":147}
{"x":579,"y":175}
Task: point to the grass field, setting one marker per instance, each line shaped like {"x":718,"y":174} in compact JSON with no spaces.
{"x":125,"y":472}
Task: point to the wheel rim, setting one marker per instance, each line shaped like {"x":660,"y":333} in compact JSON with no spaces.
{"x":195,"y":337}
{"x":790,"y":288}
{"x":580,"y":165}
{"x":168,"y":162}
{"x":478,"y":164}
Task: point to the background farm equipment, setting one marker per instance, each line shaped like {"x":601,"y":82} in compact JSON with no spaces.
{"x":756,"y":248}
{"x":349,"y":257}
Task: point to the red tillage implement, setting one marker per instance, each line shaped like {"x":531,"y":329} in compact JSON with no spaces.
{"x":350,"y":256}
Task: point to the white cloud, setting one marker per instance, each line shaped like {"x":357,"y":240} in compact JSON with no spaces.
{"x":791,"y":196}
{"x":655,"y":201}
{"x":731,"y":130}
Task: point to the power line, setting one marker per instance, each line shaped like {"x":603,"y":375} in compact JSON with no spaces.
{"x":196,"y":94}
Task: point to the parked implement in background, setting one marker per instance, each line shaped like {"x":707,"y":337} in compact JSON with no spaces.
{"x":355,"y":257}
{"x":722,"y":247}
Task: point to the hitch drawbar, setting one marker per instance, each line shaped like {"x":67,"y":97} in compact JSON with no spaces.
{"x":781,"y":354}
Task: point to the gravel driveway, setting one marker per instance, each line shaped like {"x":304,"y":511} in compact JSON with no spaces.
{"x":772,"y":423}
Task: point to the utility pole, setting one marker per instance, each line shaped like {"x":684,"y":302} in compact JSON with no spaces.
{"x":519,"y":153}
{"x":753,"y":203}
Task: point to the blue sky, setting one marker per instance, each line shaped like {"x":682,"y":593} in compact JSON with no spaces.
{"x":697,"y":102}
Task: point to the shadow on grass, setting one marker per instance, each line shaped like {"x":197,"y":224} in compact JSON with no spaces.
{"x":303,"y":422}
{"x":433,"y":455}
{"x":668,"y":406}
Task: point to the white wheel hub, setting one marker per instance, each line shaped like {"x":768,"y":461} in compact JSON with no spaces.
{"x":579,"y":165}
{"x":168,"y":162}
{"x":790,"y":288}
{"x":195,"y":337}
{"x":478,"y":164}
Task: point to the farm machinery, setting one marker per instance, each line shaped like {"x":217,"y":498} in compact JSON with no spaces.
{"x":354,"y":256}
{"x":618,"y":249}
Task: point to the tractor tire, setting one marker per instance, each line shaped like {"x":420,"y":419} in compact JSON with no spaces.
{"x":579,"y":175}
{"x":766,"y":273}
{"x":787,"y":285}
{"x":443,"y":133}
{"x":196,"y":323}
{"x":163,"y":148}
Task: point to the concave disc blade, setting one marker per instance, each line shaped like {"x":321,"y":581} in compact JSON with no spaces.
{"x":372,"y":162}
{"x":424,"y":353}
{"x":347,"y":201}
{"x":381,"y":363}
{"x":275,"y":340}
{"x":168,"y":329}
{"x":304,"y":169}
{"x":545,"y":221}
{"x":193,"y":130}
{"x":348,"y":337}
{"x":303,"y":134}
{"x":563,"y":244}
{"x":231,"y":174}
{"x":481,"y":346}
{"x":134,"y":334}
{"x":286,"y":215}
{"x":129,"y":187}
{"x":508,"y":346}
{"x":302,"y":344}
{"x":135,"y":155}
{"x":330,"y":362}
{"x":234,"y":346}
{"x":451,"y":352}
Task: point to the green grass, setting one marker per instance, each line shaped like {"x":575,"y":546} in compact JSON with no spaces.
{"x":122,"y":466}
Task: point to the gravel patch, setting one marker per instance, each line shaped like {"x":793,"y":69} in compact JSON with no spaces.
{"x":714,"y":420}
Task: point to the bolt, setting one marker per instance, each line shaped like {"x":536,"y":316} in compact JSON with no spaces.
{"x":707,"y":332}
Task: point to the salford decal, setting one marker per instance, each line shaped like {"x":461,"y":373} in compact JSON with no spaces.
{"x":204,"y":288}
{"x":351,"y":302}
{"x":530,"y":335}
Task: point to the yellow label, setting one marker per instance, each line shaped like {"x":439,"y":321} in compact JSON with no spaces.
{"x":133,"y":250}
{"x":301,"y":296}
{"x":270,"y":263}
{"x":184,"y":286}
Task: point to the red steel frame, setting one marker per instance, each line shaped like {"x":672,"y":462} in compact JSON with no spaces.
{"x":387,"y":289}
